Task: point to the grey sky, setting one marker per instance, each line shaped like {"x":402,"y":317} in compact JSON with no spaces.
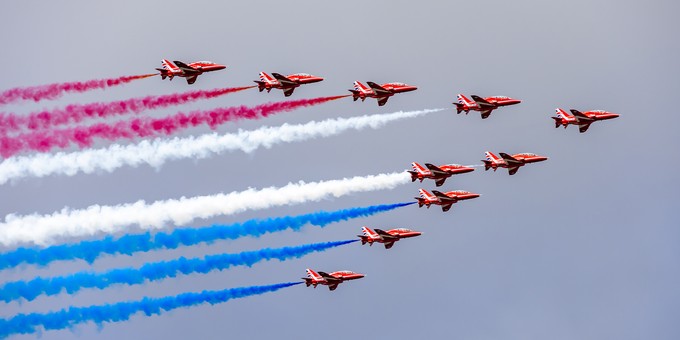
{"x":583,"y":246}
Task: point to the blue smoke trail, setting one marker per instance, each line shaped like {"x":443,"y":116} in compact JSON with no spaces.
{"x":129,"y":244}
{"x":66,"y":318}
{"x":29,"y":290}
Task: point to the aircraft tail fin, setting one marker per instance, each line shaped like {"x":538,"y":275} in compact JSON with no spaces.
{"x":369,"y":233}
{"x":563,"y":114}
{"x":463,"y":100}
{"x":266,"y":78}
{"x":361,"y":88}
{"x":420,"y":169}
{"x":314,"y":275}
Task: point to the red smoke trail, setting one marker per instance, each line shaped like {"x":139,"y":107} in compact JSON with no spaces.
{"x":78,"y":112}
{"x":145,"y":127}
{"x":52,"y":91}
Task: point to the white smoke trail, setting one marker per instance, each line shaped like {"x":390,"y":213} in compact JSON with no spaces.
{"x":155,"y":153}
{"x":95,"y":219}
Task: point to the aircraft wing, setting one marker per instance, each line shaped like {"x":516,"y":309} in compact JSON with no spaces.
{"x":192,"y":79}
{"x":580,"y":116}
{"x":333,"y":286}
{"x":486,"y":113}
{"x":379,"y":90}
{"x":389,"y":245}
{"x":384,"y":234}
{"x":482,"y":102}
{"x":446,"y":207}
{"x":583,"y":128}
{"x":513,"y":170}
{"x":509,"y":159}
{"x":435,"y":170}
{"x":186,"y":68}
{"x":382,"y":101}
{"x":288,"y":91}
{"x":443,"y":198}
{"x":283,"y":79}
{"x":439,"y":182}
{"x":329,"y":278}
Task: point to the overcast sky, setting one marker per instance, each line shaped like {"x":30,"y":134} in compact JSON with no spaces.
{"x":582,"y":246}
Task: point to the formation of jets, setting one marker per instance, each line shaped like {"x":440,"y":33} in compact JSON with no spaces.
{"x":439,"y":174}
{"x":381,"y":93}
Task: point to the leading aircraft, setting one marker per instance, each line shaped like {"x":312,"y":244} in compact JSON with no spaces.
{"x":445,"y":200}
{"x":438,"y":173}
{"x":512,"y":163}
{"x":331,"y":280}
{"x":582,"y":119}
{"x":380,"y":92}
{"x":385,"y":237}
{"x":483,"y":105}
{"x":286,"y":83}
{"x":190,"y":71}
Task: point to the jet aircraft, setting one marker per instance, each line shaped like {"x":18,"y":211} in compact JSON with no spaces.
{"x":438,"y":173}
{"x":483,"y":105}
{"x":331,"y":280}
{"x":380,"y":92}
{"x":445,"y":200}
{"x":285,"y":83}
{"x":582,"y":119}
{"x":385,"y":237}
{"x":190,"y":71}
{"x":512,"y":163}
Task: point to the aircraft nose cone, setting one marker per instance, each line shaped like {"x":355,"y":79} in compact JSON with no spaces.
{"x":615,"y":115}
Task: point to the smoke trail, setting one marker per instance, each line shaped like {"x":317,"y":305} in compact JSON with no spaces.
{"x":159,"y":151}
{"x":53,"y":91}
{"x":66,"y":318}
{"x":130,"y":244}
{"x":29,"y":290}
{"x":41,"y":229}
{"x":78,"y":112}
{"x":84,"y":136}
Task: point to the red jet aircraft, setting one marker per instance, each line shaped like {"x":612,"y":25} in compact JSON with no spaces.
{"x":446,"y":200}
{"x":285,"y":83}
{"x":331,"y":280}
{"x":380,"y":92}
{"x":386,"y":237}
{"x":483,"y":105}
{"x":191,"y":71}
{"x":583,"y":120}
{"x":438,"y":173}
{"x":512,"y":163}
